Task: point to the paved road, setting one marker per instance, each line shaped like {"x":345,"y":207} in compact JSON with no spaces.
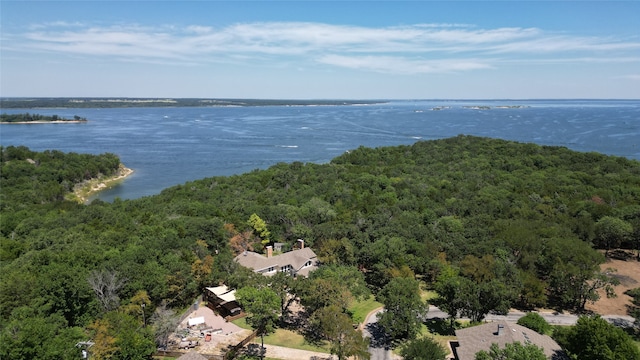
{"x":553,"y":318}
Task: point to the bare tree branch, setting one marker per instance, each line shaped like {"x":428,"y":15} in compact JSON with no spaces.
{"x":106,"y":284}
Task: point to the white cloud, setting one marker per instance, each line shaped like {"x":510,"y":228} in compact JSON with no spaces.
{"x":634,"y":77}
{"x":399,"y":65}
{"x":421,"y":48}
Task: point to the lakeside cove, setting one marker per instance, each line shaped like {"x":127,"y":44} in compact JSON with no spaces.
{"x":84,"y":191}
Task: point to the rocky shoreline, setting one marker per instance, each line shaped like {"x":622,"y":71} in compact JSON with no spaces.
{"x":83,"y":191}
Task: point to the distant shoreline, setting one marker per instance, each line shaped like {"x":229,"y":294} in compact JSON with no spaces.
{"x":75,"y":103}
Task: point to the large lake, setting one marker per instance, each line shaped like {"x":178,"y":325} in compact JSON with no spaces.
{"x":170,"y":146}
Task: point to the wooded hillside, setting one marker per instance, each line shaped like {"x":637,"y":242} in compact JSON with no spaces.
{"x":519,"y":221}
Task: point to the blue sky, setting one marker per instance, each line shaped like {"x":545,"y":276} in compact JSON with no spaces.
{"x":321,"y":49}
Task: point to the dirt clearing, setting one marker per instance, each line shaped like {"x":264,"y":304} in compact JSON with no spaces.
{"x":628,"y":273}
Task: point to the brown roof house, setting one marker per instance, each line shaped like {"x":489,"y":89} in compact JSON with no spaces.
{"x":297,"y":262}
{"x":473,"y":339}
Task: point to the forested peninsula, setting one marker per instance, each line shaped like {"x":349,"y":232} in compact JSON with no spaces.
{"x":27,"y":118}
{"x":507,"y":224}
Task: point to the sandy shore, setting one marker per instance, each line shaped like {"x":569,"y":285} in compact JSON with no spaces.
{"x":82,"y":192}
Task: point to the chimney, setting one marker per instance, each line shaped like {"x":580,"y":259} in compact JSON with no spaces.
{"x":500,"y":329}
{"x":301,"y":242}
{"x":269,"y":251}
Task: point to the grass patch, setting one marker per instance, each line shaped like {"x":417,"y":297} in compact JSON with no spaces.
{"x":242,"y":322}
{"x":284,"y":338}
{"x":360,"y":309}
{"x":427,"y":295}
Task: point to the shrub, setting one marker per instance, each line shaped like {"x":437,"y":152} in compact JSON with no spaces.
{"x":535,"y":322}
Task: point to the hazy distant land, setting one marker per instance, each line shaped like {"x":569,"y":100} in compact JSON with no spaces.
{"x":24,"y":103}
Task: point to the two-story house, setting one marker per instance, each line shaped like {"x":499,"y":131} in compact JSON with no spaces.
{"x":298,"y":262}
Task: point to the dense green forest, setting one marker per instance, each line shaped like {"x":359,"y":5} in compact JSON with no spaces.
{"x":504,"y":223}
{"x":26,"y":117}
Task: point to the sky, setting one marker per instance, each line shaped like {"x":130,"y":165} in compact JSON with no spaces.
{"x":321,"y":49}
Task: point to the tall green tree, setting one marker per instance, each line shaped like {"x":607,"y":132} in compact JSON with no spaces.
{"x":337,"y":327}
{"x":480,"y":299}
{"x":318,"y":293}
{"x":263,"y":307}
{"x":634,"y":308}
{"x":575,"y":275}
{"x":260,"y":227}
{"x":593,"y":338}
{"x":120,"y":336}
{"x":349,"y":276}
{"x":282,"y":284}
{"x":404,"y":310}
{"x":512,"y":351}
{"x":449,"y":287}
{"x":611,"y":231}
{"x":29,"y":336}
{"x":423,"y":349}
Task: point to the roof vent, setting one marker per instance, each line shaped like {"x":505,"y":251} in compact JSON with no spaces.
{"x":500,"y":329}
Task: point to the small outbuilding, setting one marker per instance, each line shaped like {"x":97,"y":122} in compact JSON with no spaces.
{"x":222,"y":300}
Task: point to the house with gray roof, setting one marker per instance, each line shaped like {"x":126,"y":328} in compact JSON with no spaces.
{"x":298,"y":262}
{"x":473,"y":339}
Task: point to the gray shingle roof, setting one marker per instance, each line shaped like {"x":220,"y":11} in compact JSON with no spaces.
{"x":296,"y":258}
{"x":476,"y":338}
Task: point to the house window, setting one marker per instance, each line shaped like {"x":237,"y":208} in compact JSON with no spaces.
{"x":286,"y":268}
{"x":271,"y":269}
{"x":308,"y":263}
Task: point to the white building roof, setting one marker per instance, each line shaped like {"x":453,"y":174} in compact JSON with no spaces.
{"x":229,"y":296}
{"x":219,"y":290}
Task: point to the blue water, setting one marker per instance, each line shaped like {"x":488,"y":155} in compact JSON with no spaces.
{"x":170,"y":146}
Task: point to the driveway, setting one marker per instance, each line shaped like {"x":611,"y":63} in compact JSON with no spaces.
{"x":379,"y":348}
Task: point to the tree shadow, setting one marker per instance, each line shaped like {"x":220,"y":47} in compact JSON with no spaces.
{"x":294,"y":321}
{"x":620,"y":254}
{"x":441,"y":326}
{"x":254,"y":350}
{"x":379,"y":338}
